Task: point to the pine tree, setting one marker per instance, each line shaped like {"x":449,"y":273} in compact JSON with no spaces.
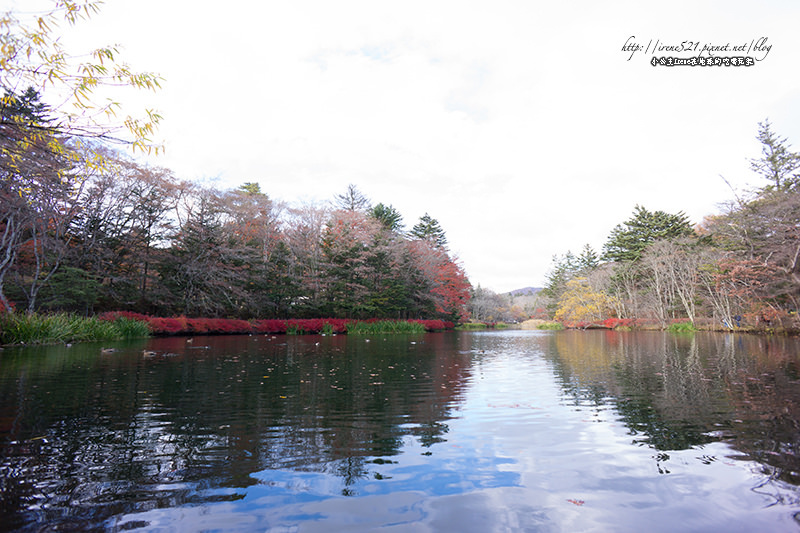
{"x":428,"y":229}
{"x":628,"y":241}
{"x":388,"y":216}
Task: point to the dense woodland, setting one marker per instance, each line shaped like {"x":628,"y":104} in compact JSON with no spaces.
{"x":88,"y":235}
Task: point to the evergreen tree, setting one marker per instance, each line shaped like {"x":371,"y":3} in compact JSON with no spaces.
{"x":628,"y":241}
{"x":428,"y":229}
{"x":588,"y":260}
{"x":777,"y":163}
{"x":388,"y":216}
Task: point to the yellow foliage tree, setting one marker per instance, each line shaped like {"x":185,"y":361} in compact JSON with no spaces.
{"x":581,"y":303}
{"x":31,"y":55}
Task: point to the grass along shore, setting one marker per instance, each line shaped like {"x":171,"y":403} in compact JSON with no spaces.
{"x":23,"y":328}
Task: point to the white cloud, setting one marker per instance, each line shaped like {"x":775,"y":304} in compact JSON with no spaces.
{"x":520,"y":125}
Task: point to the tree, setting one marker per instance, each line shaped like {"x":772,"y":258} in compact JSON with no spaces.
{"x":389,"y":217}
{"x":738,"y":287}
{"x":352,"y":200}
{"x":628,"y":240}
{"x":673,"y":270}
{"x":31,"y":55}
{"x":38,"y":200}
{"x":581,"y":303}
{"x":442,"y":287}
{"x":204,"y":268}
{"x":762,"y":226}
{"x":588,"y":260}
{"x":428,"y":229}
{"x":346,"y":244}
{"x":488,"y":306}
{"x":303,"y":236}
{"x":777,"y":163}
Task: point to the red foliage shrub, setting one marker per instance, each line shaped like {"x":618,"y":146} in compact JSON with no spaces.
{"x":613,"y":323}
{"x":435,"y":325}
{"x":111,"y":316}
{"x":220,"y":326}
{"x":167,"y":326}
{"x":269,"y":326}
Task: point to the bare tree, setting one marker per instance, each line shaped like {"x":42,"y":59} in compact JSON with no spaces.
{"x":352,"y":200}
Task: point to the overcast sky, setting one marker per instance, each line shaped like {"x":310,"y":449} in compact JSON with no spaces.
{"x":522,"y":126}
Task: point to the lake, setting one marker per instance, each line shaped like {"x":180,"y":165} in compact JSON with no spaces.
{"x":458,"y":431}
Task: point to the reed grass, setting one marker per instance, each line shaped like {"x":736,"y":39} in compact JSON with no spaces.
{"x":384,"y":326}
{"x":550,"y":325}
{"x":23,"y":328}
{"x":471,"y":326}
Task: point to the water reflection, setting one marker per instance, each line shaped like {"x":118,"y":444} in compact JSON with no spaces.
{"x":517,"y":431}
{"x":97,"y":435}
{"x":674,"y":392}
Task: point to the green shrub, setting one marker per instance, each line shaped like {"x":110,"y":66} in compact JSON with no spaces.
{"x":682,"y":327}
{"x":471,"y":326}
{"x":129,"y":328}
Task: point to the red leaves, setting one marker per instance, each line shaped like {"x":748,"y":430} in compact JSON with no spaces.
{"x":613,"y":323}
{"x":221,"y":326}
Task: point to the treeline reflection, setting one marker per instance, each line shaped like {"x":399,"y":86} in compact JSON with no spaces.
{"x":91,"y":435}
{"x":678,"y":391}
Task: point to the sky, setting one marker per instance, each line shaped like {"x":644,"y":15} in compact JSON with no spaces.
{"x":523,"y":127}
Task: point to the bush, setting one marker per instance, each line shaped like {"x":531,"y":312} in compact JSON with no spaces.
{"x":682,"y":327}
{"x":472,"y":326}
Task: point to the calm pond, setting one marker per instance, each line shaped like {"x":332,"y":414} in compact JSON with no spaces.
{"x":486,"y":431}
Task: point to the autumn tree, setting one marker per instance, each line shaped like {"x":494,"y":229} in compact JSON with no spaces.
{"x":762,"y":225}
{"x":303,"y":236}
{"x":564,"y":268}
{"x":488,"y":306}
{"x":31,"y":55}
{"x":672,"y":272}
{"x":581,"y":303}
{"x":442,"y":286}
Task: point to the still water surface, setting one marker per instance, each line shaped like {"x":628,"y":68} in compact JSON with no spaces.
{"x":487,"y":431}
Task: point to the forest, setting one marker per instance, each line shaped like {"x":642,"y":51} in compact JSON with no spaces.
{"x":86,"y":238}
{"x":86,"y":229}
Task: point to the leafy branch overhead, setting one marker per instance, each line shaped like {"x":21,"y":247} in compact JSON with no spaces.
{"x":78,"y":86}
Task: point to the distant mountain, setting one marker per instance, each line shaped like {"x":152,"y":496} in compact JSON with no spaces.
{"x":527,"y":291}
